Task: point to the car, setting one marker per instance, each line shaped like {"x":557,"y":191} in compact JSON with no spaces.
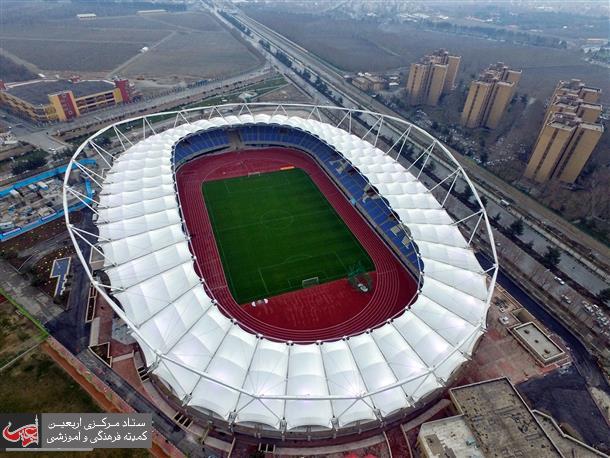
{"x":560,"y":281}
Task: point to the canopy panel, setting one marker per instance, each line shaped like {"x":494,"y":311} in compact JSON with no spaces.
{"x":212,"y":364}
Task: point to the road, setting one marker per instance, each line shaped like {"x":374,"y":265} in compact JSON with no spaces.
{"x":43,"y":136}
{"x":70,"y":328}
{"x":581,"y":357}
{"x":592,"y":280}
{"x":575,"y":264}
{"x":125,"y":110}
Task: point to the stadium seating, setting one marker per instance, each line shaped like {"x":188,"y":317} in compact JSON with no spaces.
{"x":200,"y":143}
{"x":355,"y":186}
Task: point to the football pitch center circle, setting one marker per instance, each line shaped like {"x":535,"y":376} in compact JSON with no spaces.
{"x":202,"y":346}
{"x":302,"y":199}
{"x":277,"y":219}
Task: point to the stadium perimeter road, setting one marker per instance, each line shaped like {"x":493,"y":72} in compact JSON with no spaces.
{"x":497,"y":188}
{"x":165,"y":425}
{"x":582,"y":359}
{"x":70,"y":328}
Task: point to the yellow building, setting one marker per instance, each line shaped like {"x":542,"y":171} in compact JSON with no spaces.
{"x":431,"y":77}
{"x":489,"y":95}
{"x":569,"y":133}
{"x":61,"y":100}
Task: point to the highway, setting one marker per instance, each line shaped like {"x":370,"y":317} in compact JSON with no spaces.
{"x":582,"y":358}
{"x":586,"y":265}
{"x":577,"y":261}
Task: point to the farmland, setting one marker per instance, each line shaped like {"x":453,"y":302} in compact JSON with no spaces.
{"x":72,"y":55}
{"x":194,"y":21}
{"x":92,"y":31}
{"x":182,"y":45}
{"x":195,"y":55}
{"x":369,"y":46}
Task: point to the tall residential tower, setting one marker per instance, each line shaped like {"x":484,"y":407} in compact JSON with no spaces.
{"x":489,"y":95}
{"x":569,"y":133}
{"x":431,"y":77}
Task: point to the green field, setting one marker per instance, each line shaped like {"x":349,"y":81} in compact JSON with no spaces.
{"x":277,"y":229}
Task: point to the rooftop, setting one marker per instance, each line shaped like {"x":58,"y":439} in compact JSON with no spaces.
{"x":538,"y":342}
{"x":576,"y":84}
{"x":449,"y":438}
{"x":36,"y":92}
{"x":503,"y":424}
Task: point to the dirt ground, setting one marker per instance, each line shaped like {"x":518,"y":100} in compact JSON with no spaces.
{"x":368,"y":46}
{"x":288,"y":93}
{"x":186,"y":45}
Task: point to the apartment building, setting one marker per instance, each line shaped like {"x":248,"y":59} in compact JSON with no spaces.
{"x":569,"y":134}
{"x":489,"y":96}
{"x":431,"y":77}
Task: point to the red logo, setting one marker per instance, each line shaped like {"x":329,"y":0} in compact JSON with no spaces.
{"x":27,"y":434}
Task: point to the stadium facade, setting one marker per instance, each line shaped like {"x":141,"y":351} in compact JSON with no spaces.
{"x":210,"y":362}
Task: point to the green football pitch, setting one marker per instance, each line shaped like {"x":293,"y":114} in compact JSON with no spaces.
{"x":275,"y":230}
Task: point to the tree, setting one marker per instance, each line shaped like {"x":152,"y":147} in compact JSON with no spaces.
{"x":604,"y":295}
{"x":36,"y":281}
{"x":496,"y":219}
{"x":552,"y":257}
{"x":484,"y":157}
{"x":31,"y":163}
{"x":467,"y":194}
{"x":516,"y":228}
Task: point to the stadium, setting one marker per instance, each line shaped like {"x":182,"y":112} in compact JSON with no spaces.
{"x":287,"y":269}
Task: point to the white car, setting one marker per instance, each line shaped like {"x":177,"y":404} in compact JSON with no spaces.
{"x":560,"y":281}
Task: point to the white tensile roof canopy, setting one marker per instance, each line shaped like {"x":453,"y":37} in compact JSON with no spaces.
{"x":211,"y":363}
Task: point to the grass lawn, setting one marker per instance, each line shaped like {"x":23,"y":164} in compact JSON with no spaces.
{"x":35,"y":383}
{"x":17,"y":333}
{"x":277,"y":229}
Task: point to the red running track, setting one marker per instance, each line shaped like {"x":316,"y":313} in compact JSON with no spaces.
{"x":324,"y":312}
